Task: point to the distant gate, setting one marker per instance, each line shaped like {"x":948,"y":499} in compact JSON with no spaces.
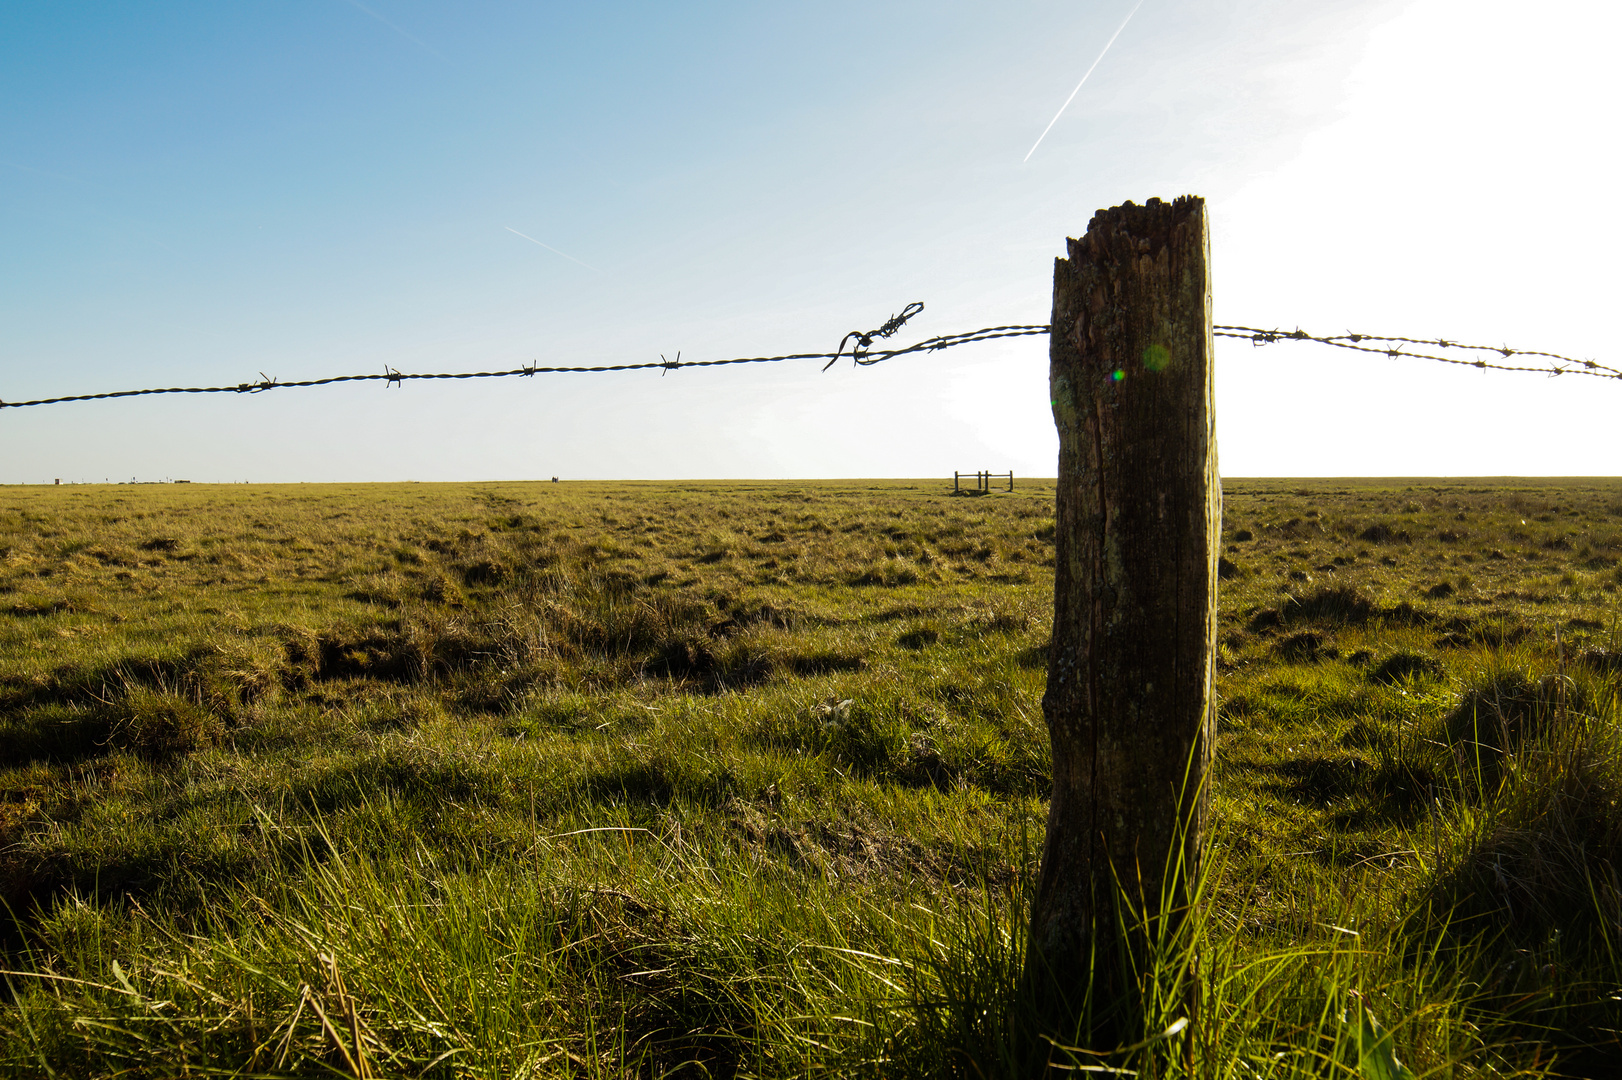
{"x":982,"y":480}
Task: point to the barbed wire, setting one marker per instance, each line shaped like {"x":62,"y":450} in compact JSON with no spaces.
{"x":391,"y":376}
{"x":863,"y":355}
{"x":1563,"y":365}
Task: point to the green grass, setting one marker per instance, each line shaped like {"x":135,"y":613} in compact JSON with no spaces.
{"x":749,"y":780}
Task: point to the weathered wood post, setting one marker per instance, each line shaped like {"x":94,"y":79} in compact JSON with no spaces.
{"x":1129,"y":701}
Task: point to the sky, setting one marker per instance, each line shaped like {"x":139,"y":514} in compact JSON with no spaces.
{"x":198,"y":193}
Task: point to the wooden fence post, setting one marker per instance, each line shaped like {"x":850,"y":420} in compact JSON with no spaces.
{"x":1129,"y":700}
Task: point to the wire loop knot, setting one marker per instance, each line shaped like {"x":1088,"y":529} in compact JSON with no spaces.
{"x":864,"y":341}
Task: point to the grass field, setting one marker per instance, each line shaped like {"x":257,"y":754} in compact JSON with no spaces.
{"x":748,"y":779}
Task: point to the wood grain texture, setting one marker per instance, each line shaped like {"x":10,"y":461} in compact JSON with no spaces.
{"x":1129,"y":700}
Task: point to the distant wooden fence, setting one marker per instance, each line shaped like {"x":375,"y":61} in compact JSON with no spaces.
{"x":982,"y":480}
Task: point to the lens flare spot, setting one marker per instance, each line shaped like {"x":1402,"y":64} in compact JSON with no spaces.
{"x":1156,"y":357}
{"x":1118,"y":374}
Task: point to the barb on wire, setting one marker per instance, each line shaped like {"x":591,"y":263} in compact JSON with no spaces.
{"x":1393,"y":347}
{"x":864,"y":342}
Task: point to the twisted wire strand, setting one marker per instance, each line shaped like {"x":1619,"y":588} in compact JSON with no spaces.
{"x":864,"y":357}
{"x":390,"y":376}
{"x":1564,"y":365}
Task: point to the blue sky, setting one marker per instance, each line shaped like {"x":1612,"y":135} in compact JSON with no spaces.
{"x":197,"y":193}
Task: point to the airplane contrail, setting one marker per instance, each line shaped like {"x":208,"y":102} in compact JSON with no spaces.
{"x":552,"y":249}
{"x":1077,"y":90}
{"x":357,"y":5}
{"x":39,"y":172}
